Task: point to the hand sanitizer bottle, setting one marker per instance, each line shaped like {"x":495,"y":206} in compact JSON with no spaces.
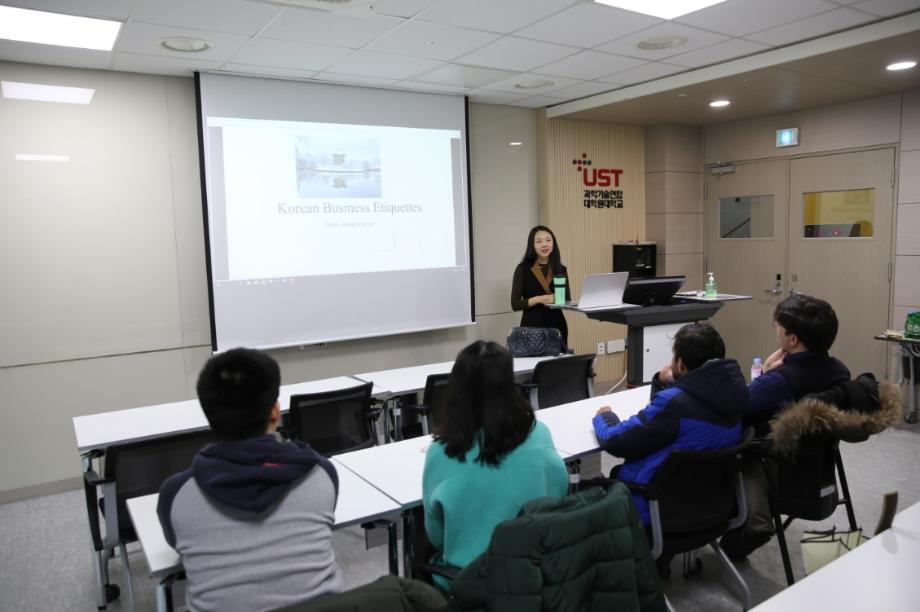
{"x":711,"y":290}
{"x":756,"y":368}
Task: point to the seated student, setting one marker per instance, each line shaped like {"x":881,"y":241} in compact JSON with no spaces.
{"x":253,"y":516}
{"x":696,"y":404}
{"x":490,"y":456}
{"x":805,"y":330}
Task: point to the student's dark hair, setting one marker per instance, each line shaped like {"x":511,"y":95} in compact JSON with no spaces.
{"x":237,"y":391}
{"x":810,"y":318}
{"x":483,"y":404}
{"x":697,"y":343}
{"x":530,"y":253}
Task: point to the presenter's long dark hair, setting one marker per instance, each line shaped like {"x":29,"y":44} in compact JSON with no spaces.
{"x":483,"y":404}
{"x":530,"y":253}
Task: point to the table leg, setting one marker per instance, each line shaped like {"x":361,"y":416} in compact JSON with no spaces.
{"x":907,"y":350}
{"x":393,"y":545}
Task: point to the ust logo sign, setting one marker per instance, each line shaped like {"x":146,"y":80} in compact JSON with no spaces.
{"x":597,"y":182}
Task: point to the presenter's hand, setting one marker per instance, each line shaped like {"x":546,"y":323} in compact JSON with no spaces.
{"x":603,"y":409}
{"x":774,"y":360}
{"x":542,"y":299}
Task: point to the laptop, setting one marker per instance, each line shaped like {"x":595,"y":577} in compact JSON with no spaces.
{"x":602,"y":291}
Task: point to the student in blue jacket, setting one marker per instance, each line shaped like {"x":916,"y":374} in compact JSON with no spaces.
{"x":697,"y":403}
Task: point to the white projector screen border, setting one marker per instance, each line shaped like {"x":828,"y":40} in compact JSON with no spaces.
{"x":271,"y":290}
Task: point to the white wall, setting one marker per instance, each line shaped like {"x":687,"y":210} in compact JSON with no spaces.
{"x":104,"y":304}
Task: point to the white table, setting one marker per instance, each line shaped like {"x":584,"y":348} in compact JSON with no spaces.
{"x":571,"y":425}
{"x":909,"y":519}
{"x":879,"y":575}
{"x":395,"y":469}
{"x":358,"y":502}
{"x":97,"y":431}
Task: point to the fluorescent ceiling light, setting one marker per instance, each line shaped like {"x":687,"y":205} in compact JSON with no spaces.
{"x":719,"y":103}
{"x":36,"y":157}
{"x":46,"y":93}
{"x":665,"y":9}
{"x":26,"y":25}
{"x":901,"y":66}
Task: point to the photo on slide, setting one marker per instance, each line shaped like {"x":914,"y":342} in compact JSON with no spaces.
{"x":338,"y":167}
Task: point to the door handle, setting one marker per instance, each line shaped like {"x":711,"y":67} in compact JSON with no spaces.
{"x":794,"y":292}
{"x":774,"y":290}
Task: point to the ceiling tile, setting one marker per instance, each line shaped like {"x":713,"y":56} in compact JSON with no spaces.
{"x":582,"y":90}
{"x":536,"y":102}
{"x":508,"y":85}
{"x":157,"y":64}
{"x":721,"y":52}
{"x":740,"y":17}
{"x":886,"y":8}
{"x":332,"y":77}
{"x":640,"y":74}
{"x":513,"y":53}
{"x":384,"y":65}
{"x":810,"y":27}
{"x":696,"y":39}
{"x":103,"y":9}
{"x":234,"y":16}
{"x":493,"y":15}
{"x":418,"y":86}
{"x":52,"y":55}
{"x":587,"y":25}
{"x":484,"y":96}
{"x":589,"y":65}
{"x":463,"y":76}
{"x":431,"y":40}
{"x":266,"y":71}
{"x":402,"y":8}
{"x":319,"y":28}
{"x":145,"y":38}
{"x":286,"y":54}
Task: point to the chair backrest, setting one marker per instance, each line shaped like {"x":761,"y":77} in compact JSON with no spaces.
{"x":333,"y":422}
{"x":434,"y":397}
{"x":807,"y":481}
{"x":139,"y":468}
{"x":697,"y":490}
{"x":562,"y":380}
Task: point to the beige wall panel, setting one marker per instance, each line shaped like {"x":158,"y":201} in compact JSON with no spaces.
{"x":910,"y":121}
{"x":689,"y":264}
{"x":655,"y":193}
{"x":841,"y":126}
{"x":908,"y":241}
{"x":682,"y":153}
{"x":683,"y":233}
{"x":909,"y":177}
{"x":656,"y":144}
{"x":656,"y":230}
{"x":907,"y":281}
{"x":586,"y":235}
{"x":683,"y":192}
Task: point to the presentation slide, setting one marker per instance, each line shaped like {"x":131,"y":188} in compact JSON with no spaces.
{"x":332,"y":212}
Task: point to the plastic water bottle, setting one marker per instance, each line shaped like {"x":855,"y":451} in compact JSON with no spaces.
{"x":559,"y":290}
{"x":756,"y":368}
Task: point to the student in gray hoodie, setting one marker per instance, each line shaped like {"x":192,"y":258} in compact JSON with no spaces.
{"x":252,"y":518}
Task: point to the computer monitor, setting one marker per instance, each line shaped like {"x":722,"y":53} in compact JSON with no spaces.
{"x":656,"y":291}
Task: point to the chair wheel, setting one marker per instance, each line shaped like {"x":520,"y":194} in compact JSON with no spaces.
{"x":911,"y":417}
{"x":695,"y":570}
{"x":111,"y":592}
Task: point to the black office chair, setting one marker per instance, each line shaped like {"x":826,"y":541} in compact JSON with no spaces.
{"x":129,"y":470}
{"x":430,"y":410}
{"x":694,"y":498}
{"x":804,"y":486}
{"x":561,"y":380}
{"x":333,"y":422}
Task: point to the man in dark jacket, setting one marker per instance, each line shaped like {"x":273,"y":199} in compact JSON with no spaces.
{"x":696,"y":404}
{"x":253,"y":516}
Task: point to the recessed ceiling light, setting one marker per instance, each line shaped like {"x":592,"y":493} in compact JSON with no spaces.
{"x":26,"y":25}
{"x":515,"y":143}
{"x":184,"y":44}
{"x":37,"y":157}
{"x":46,"y":93}
{"x":661,"y":42}
{"x":666,"y":9}
{"x":533,"y":84}
{"x":901,"y":65}
{"x":719,"y":103}
{"x":681,"y":95}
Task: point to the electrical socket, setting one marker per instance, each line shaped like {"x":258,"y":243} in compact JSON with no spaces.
{"x":616,"y":346}
{"x":600,"y":348}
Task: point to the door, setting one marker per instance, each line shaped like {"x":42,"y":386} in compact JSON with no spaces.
{"x":840,"y":246}
{"x":745,"y":244}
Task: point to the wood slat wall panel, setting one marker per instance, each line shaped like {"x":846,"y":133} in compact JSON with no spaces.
{"x":586,"y":235}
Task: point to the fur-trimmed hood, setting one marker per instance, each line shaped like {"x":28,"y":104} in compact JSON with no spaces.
{"x":853,"y":410}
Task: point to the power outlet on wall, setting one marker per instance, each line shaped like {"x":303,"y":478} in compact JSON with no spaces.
{"x":600,"y":348}
{"x":616,"y":346}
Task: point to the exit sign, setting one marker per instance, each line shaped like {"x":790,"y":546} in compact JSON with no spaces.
{"x":787,"y":137}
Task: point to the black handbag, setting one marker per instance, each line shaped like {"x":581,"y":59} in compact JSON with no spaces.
{"x":535,"y":341}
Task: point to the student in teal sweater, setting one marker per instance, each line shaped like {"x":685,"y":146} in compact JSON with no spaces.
{"x":490,"y":456}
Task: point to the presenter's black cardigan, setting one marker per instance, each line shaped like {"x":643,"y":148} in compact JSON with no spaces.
{"x":532,"y":281}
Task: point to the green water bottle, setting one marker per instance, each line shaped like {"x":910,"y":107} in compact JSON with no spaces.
{"x":710,"y":288}
{"x":559,"y":290}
